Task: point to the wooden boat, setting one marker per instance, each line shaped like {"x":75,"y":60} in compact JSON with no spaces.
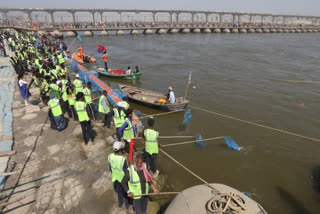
{"x":151,"y":98}
{"x":86,"y":58}
{"x":118,"y":74}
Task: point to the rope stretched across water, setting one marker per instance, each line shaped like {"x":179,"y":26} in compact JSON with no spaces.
{"x":256,"y":124}
{"x":192,"y":173}
{"x":193,"y":141}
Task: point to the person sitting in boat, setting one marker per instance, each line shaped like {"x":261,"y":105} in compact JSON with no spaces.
{"x":170,"y":96}
{"x":128,"y":72}
{"x":137,"y":69}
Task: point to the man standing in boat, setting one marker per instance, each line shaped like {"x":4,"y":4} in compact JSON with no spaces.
{"x":105,"y":60}
{"x":150,"y":140}
{"x":80,"y":52}
{"x":170,"y":97}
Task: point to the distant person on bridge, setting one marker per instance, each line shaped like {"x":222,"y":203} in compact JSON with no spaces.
{"x":105,"y":60}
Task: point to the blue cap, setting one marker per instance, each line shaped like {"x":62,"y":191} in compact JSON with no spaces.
{"x":51,"y":96}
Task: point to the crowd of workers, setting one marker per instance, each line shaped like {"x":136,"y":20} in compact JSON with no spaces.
{"x":45,"y":57}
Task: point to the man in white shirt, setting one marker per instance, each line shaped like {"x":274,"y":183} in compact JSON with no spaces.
{"x":128,"y":72}
{"x":171,"y":98}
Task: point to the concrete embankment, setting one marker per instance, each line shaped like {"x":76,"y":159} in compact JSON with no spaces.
{"x":7,"y":81}
{"x":55,"y":172}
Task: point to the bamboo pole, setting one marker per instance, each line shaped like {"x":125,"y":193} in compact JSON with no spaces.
{"x":169,"y":137}
{"x":160,"y":114}
{"x":9,"y":153}
{"x":193,"y":141}
{"x":160,"y":193}
{"x":9,"y":173}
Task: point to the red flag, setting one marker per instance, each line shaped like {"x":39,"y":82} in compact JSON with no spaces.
{"x":101,"y":49}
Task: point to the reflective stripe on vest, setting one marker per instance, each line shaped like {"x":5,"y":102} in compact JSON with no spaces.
{"x":87,"y":95}
{"x":101,"y":109}
{"x":128,"y":131}
{"x":118,"y":119}
{"x":78,"y":86}
{"x":80,"y":108}
{"x":134,"y":183}
{"x":55,"y":107}
{"x":151,"y":142}
{"x":116,"y":163}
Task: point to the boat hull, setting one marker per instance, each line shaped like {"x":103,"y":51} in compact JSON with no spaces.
{"x":180,"y":105}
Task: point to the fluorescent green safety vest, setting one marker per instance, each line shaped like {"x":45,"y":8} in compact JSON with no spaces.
{"x":81,"y":110}
{"x":60,"y":59}
{"x":151,"y":142}
{"x":36,"y":82}
{"x":78,"y":86}
{"x":46,"y":87}
{"x":118,"y":119}
{"x":54,"y":74}
{"x":126,"y":105}
{"x":55,"y":107}
{"x":43,"y":72}
{"x":101,"y":109}
{"x":64,"y":90}
{"x":128,"y":131}
{"x":71,"y":99}
{"x":87,"y":95}
{"x":134,"y":183}
{"x":116,"y":163}
{"x":55,"y":90}
{"x":13,"y":43}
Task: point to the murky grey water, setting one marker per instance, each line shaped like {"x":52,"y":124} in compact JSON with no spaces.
{"x":234,"y":75}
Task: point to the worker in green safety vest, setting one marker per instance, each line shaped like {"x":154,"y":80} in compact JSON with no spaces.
{"x":119,"y":116}
{"x":36,"y":81}
{"x":105,"y":109}
{"x":127,"y":132}
{"x":150,"y":140}
{"x":78,"y":84}
{"x":61,"y":60}
{"x":137,"y":181}
{"x":45,"y":89}
{"x":88,"y":99}
{"x":64,"y":95}
{"x":80,"y":107}
{"x":56,"y":88}
{"x":71,"y":95}
{"x":118,"y":166}
{"x":55,"y":114}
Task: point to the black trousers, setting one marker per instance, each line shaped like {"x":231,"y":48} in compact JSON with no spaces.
{"x":107,"y":120}
{"x":72,"y":113}
{"x":90,"y":110}
{"x":140,"y":205}
{"x":106,"y":66}
{"x":86,"y":130}
{"x":151,"y":161}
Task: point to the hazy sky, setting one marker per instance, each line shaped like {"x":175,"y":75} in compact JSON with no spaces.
{"x":303,"y":7}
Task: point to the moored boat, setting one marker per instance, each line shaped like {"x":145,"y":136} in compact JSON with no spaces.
{"x":86,"y":58}
{"x":118,"y":74}
{"x":216,"y":198}
{"x":152,"y":99}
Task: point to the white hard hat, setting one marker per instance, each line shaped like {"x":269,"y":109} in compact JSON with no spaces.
{"x":117,"y":146}
{"x":77,"y":76}
{"x":170,"y":88}
{"x":58,"y":82}
{"x":120,"y":104}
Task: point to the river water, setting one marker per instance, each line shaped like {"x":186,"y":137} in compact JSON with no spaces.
{"x":236,"y":75}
